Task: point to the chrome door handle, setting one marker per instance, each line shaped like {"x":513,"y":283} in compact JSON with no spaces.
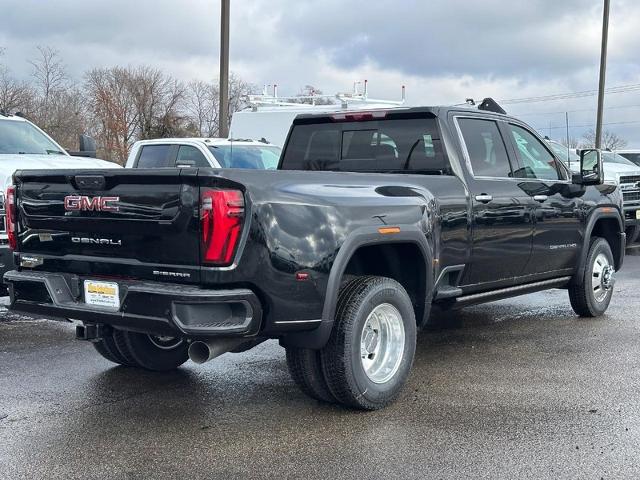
{"x":540,"y":198}
{"x":484,"y":198}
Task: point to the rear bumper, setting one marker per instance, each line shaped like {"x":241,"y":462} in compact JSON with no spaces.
{"x":148,"y":307}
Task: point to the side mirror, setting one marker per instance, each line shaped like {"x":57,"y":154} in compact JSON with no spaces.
{"x":86,"y":147}
{"x":87,"y":143}
{"x":591,"y":169}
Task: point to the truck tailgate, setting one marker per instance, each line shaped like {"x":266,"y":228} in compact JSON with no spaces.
{"x":144,"y":220}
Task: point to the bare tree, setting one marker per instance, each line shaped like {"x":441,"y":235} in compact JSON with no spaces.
{"x":573,"y":142}
{"x":157,"y":98}
{"x":113,"y":110}
{"x":50,"y":79}
{"x":14,"y":95}
{"x":201,"y":105}
{"x":116,"y":105}
{"x":610,"y":140}
{"x":69,"y":116}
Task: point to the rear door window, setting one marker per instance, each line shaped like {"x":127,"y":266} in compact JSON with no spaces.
{"x":393,"y":145}
{"x":485,"y":147}
{"x":189,"y":155}
{"x":155,"y":156}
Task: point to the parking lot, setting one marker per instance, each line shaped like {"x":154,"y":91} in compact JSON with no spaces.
{"x":522,"y":388}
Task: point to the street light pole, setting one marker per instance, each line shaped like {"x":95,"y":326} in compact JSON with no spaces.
{"x":223,"y":117}
{"x":603,"y":72}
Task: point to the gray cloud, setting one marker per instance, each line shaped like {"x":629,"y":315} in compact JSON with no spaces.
{"x":444,"y":50}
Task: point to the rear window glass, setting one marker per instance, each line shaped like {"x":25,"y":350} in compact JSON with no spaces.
{"x":154,"y":156}
{"x":402,"y":145}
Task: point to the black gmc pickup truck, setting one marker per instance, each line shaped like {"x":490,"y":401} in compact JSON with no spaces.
{"x":372,"y":220}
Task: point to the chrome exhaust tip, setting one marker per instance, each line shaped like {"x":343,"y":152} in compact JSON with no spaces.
{"x":203,"y":351}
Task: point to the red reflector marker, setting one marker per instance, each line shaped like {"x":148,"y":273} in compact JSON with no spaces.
{"x":221,"y":218}
{"x":11,"y":217}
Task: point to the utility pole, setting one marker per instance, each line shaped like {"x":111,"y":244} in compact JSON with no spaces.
{"x":223,"y":119}
{"x":603,"y":72}
{"x":566,"y":119}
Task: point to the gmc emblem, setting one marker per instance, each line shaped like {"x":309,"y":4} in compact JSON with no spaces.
{"x":81,"y":203}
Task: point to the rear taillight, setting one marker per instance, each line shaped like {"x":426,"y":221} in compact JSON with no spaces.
{"x":221,"y":218}
{"x":11,"y":217}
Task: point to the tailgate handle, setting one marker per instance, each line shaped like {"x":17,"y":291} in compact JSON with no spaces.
{"x":90,"y":182}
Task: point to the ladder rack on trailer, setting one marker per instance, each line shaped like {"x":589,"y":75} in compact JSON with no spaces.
{"x":345,"y":100}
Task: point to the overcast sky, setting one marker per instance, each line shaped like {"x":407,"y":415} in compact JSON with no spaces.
{"x":443,"y":50}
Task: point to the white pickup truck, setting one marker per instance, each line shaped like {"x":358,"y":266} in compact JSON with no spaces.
{"x":618,"y":170}
{"x":24,"y":146}
{"x":204,"y":152}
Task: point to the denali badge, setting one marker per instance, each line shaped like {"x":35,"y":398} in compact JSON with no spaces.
{"x":79,"y":203}
{"x":97,"y":241}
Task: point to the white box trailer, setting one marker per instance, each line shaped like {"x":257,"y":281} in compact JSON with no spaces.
{"x":270,"y":117}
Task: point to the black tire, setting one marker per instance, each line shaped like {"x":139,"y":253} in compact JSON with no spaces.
{"x":632,"y":235}
{"x":143,"y":351}
{"x":581,"y":293}
{"x":342,"y":363}
{"x":305,"y":368}
{"x":107,"y":347}
{"x":123,"y":349}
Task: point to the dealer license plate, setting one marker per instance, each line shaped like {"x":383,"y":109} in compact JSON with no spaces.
{"x":102,"y":294}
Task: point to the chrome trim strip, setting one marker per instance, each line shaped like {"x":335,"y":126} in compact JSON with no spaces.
{"x":297,"y":322}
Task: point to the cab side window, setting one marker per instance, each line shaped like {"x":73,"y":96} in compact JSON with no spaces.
{"x":536,"y":161}
{"x":190,"y":156}
{"x":486,"y":148}
{"x":154,"y":156}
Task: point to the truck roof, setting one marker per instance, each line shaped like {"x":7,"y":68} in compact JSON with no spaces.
{"x":438,"y":111}
{"x":209,"y":141}
{"x":12,"y":118}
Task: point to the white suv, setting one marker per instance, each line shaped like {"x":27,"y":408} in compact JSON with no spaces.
{"x":204,"y":152}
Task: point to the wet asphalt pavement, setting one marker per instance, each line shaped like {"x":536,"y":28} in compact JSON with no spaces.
{"x":523,"y":389}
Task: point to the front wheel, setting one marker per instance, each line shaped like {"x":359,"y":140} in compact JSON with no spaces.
{"x":368,"y":358}
{"x":590,"y":295}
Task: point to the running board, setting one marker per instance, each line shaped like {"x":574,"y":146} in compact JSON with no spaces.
{"x":501,"y":294}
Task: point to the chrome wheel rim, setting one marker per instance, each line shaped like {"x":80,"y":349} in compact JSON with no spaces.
{"x":382,"y":343}
{"x":603,"y":277}
{"x":165,"y":342}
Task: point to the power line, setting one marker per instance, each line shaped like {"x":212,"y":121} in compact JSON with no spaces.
{"x":565,"y":96}
{"x":590,"y":125}
{"x":575,"y":111}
